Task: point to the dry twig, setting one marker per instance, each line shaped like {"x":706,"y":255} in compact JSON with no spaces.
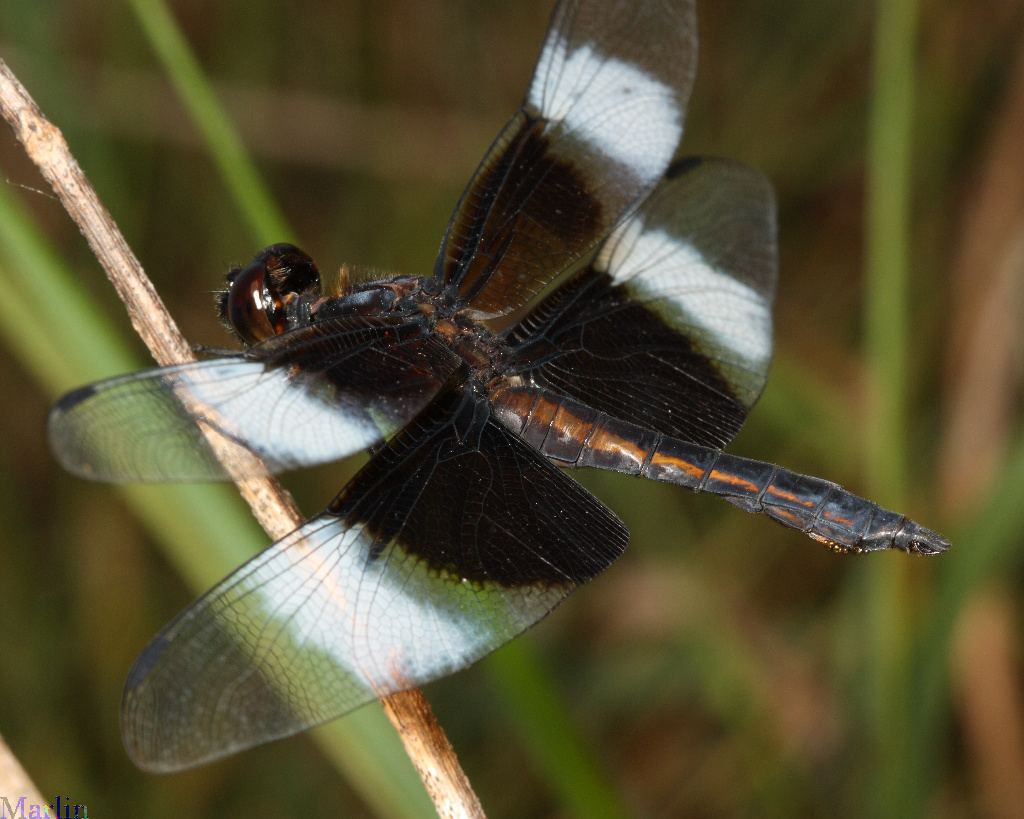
{"x":274,"y":508}
{"x":13,"y":779}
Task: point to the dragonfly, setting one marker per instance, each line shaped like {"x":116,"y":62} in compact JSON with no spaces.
{"x":598,"y":301}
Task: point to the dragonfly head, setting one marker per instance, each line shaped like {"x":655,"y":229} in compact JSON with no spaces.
{"x":262,"y":297}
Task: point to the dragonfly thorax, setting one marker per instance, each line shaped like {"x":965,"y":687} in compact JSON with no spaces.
{"x":440,"y":309}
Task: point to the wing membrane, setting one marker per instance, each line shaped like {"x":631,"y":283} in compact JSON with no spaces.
{"x":670,"y":328}
{"x":311,"y":396}
{"x":455,"y":538}
{"x":600,"y":123}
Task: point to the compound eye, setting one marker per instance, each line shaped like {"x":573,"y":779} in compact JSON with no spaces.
{"x":249,"y":307}
{"x":292,"y":272}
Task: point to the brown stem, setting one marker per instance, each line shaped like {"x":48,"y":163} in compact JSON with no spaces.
{"x":274,"y":508}
{"x":14,"y":780}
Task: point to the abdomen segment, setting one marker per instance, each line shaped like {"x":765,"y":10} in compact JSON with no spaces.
{"x":573,"y":435}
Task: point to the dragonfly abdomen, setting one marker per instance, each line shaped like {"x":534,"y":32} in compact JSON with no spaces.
{"x":574,"y":435}
{"x":820,"y":508}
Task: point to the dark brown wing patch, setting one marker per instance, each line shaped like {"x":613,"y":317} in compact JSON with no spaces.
{"x":600,"y":123}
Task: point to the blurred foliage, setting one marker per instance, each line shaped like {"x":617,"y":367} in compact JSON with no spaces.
{"x":725,"y":666}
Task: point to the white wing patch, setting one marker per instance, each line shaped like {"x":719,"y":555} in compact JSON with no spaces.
{"x":385,"y":621}
{"x":612,"y":105}
{"x":677,"y":280}
{"x":276,"y":415}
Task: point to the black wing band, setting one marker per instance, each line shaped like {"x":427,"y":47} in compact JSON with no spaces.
{"x":600,"y":123}
{"x":671,"y":326}
{"x":454,"y":539}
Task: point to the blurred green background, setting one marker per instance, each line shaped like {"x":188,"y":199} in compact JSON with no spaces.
{"x":725,"y":666}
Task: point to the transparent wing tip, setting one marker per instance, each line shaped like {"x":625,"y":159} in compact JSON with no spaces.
{"x":64,"y":437}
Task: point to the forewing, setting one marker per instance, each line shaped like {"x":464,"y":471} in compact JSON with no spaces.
{"x":455,"y":538}
{"x":312,"y":396}
{"x":671,"y":326}
{"x":600,"y":123}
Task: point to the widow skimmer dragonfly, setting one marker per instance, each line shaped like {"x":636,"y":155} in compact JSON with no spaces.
{"x":648,"y":346}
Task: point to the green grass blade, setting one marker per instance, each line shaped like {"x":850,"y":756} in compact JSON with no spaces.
{"x":888,"y":245}
{"x":205,"y":530}
{"x":888,"y":241}
{"x":251,"y":195}
{"x":47,"y":341}
{"x":540,"y":716}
